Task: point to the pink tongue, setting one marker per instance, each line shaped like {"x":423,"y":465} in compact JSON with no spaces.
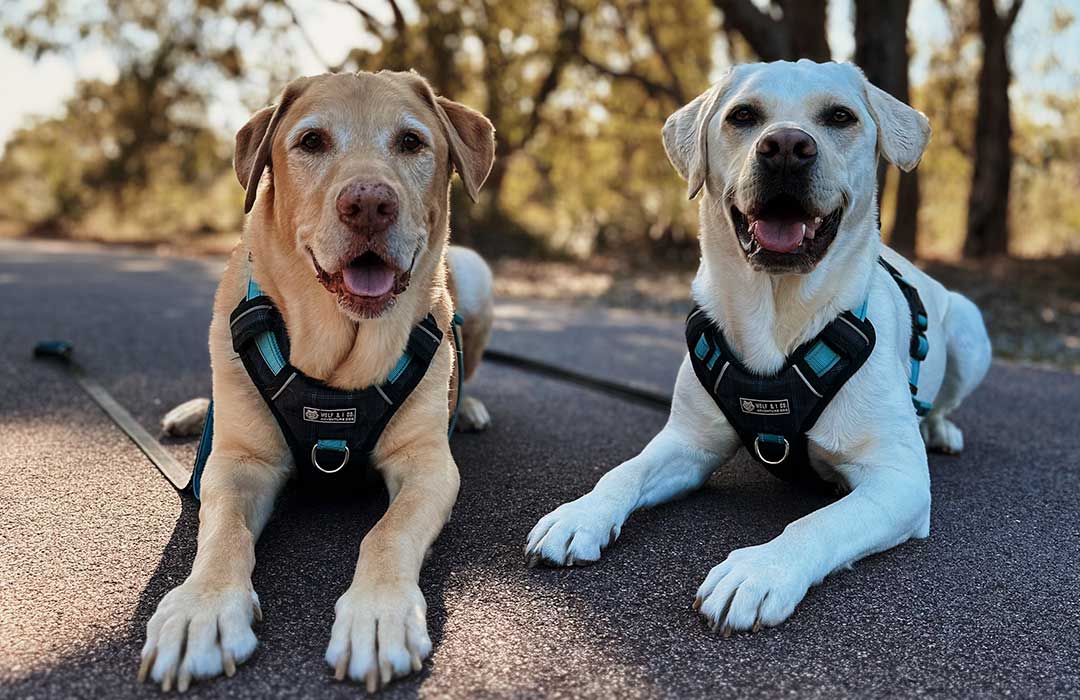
{"x":368,"y":280}
{"x":777,"y":235}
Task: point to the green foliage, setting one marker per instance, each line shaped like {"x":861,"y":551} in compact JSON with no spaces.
{"x":577,"y":90}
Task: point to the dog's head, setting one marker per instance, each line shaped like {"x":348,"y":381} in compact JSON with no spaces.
{"x":787,"y":150}
{"x":359,"y":170}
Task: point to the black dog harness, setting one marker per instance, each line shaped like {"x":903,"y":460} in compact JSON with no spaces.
{"x":326,"y":428}
{"x":772,"y":415}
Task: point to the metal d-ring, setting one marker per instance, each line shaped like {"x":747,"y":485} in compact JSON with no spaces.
{"x":315,"y":460}
{"x":757,"y":449}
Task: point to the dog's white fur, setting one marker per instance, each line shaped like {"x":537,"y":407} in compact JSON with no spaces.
{"x":867,"y":440}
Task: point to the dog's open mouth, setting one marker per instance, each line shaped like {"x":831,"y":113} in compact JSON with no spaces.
{"x":366,"y":284}
{"x":782,"y":235}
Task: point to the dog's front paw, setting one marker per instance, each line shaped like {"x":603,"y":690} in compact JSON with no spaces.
{"x":199,"y":631}
{"x":473,"y":416}
{"x":754,"y":587}
{"x":573,"y":533}
{"x":380,"y":633}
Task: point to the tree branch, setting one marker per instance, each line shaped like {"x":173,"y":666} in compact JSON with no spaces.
{"x":665,"y":56}
{"x":1010,"y":17}
{"x":307,"y":37}
{"x":652,"y":87}
{"x":568,"y":45}
{"x":370,"y":22}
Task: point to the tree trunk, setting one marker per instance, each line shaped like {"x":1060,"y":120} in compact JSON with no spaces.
{"x":988,"y":206}
{"x":800,"y":31}
{"x":881,"y":50}
{"x":806,"y":29}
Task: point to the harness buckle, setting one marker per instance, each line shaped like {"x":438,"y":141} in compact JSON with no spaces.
{"x":757,"y":450}
{"x":324,"y":470}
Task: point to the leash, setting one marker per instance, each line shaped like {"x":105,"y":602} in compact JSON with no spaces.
{"x":60,"y":352}
{"x":645,"y":397}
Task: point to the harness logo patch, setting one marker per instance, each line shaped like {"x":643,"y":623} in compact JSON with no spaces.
{"x":763,"y":407}
{"x":337,"y":416}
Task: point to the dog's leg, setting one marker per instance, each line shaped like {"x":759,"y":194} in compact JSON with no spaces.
{"x":380,"y":626}
{"x":474,"y":299}
{"x":968,"y":355}
{"x":472,"y":415}
{"x":202,"y":627}
{"x":760,"y":586}
{"x":576,"y":532}
{"x":693,"y":444}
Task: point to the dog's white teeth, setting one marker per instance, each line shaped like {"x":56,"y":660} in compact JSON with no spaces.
{"x":817,"y":221}
{"x":804,"y":230}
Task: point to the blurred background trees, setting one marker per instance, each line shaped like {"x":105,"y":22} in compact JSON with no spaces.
{"x":577,"y":89}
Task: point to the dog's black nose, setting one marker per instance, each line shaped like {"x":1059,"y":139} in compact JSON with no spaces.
{"x":788,"y":150}
{"x":367,"y":207}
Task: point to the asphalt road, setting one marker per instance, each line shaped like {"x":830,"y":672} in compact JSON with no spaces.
{"x":91,"y":536}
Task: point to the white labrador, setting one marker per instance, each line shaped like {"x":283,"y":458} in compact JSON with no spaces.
{"x":785,"y":155}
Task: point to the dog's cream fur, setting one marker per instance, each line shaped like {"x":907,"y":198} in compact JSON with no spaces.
{"x":868,"y":439}
{"x":204,"y":626}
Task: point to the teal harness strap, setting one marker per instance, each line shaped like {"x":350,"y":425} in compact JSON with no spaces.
{"x":919,"y":346}
{"x":266,"y":341}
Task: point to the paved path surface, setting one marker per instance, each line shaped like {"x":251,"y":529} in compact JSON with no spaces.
{"x":91,"y":536}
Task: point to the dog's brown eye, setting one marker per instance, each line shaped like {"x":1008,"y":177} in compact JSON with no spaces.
{"x":312,"y":142}
{"x":742,"y":116}
{"x":841,"y":117}
{"x":410,"y":142}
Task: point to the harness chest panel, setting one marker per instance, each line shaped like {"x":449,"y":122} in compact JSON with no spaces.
{"x":773,"y":414}
{"x":327,"y":429}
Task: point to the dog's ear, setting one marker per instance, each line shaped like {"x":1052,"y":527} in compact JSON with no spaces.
{"x":472,"y":142}
{"x":470,"y":135}
{"x":686,"y":136}
{"x":902,"y":131}
{"x":255,"y":139}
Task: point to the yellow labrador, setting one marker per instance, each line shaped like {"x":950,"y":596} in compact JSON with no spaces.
{"x":348,"y":238}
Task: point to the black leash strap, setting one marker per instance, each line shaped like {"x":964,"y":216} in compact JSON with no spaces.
{"x":623,"y":391}
{"x":60,"y":351}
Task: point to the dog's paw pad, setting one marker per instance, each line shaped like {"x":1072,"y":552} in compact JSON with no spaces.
{"x":473,"y":416}
{"x":942,"y":435}
{"x":186,"y":419}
